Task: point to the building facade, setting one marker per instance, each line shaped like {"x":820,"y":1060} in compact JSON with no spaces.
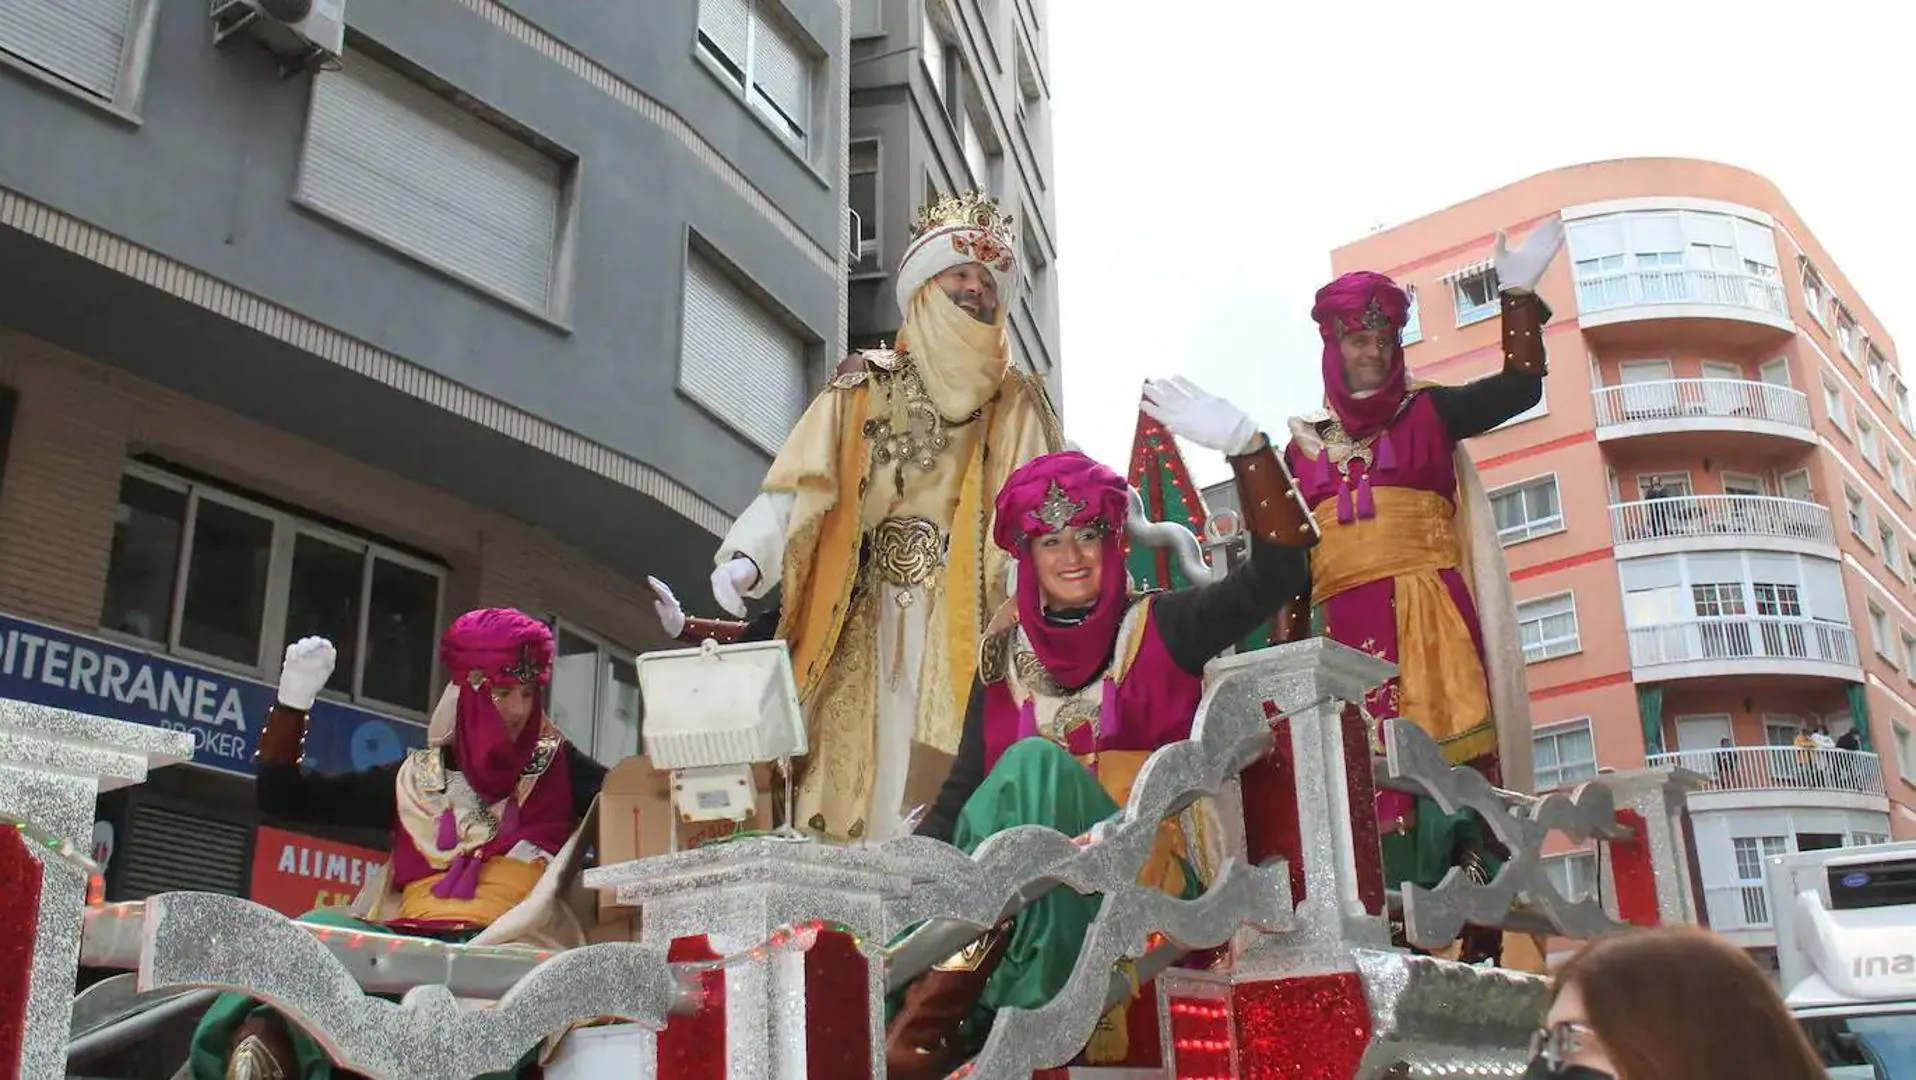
{"x":481,"y":304}
{"x":947,"y":96}
{"x":1708,"y":518}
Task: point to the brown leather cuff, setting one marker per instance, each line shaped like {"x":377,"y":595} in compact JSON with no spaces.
{"x":723,"y":631}
{"x":1524,"y":314}
{"x":1274,"y":509}
{"x":284,"y":740}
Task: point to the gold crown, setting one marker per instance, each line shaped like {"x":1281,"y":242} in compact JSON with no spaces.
{"x":971,"y":208}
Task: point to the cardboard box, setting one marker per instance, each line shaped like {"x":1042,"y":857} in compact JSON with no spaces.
{"x":637,"y":819}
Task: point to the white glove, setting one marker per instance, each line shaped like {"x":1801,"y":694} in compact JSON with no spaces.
{"x":730,"y":581}
{"x":1523,"y":269}
{"x":309,"y":663}
{"x":1187,"y":411}
{"x":671,"y":615}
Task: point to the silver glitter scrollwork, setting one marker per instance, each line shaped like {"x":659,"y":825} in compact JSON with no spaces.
{"x":1434,"y":917}
{"x":1432,"y":1017}
{"x":225,"y":943}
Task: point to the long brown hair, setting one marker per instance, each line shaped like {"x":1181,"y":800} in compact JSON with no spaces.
{"x":1684,"y":1004}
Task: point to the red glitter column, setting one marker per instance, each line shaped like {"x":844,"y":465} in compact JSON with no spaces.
{"x":19,"y":928}
{"x":1200,"y":1038}
{"x":692,"y":1047}
{"x":1635,"y":873}
{"x":1269,"y":792}
{"x":1313,"y":1027}
{"x":1361,"y":783}
{"x":838,"y":1032}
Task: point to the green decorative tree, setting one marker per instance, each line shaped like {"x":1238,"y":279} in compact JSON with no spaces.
{"x":1158,"y":472}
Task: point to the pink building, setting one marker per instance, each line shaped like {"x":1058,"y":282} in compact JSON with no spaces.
{"x":1708,"y":519}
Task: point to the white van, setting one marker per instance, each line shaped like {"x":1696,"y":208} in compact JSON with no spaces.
{"x":1846,"y":954}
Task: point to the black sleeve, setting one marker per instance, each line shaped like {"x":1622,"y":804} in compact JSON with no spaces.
{"x":1198,"y":623}
{"x":359,"y":800}
{"x":1476,"y":407}
{"x":588,"y":776}
{"x":967,"y":771}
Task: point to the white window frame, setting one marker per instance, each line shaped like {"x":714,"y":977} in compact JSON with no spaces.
{"x":1834,"y":404}
{"x":1559,"y":866}
{"x":1879,"y":636}
{"x":1532,"y":530}
{"x":1909,"y":652}
{"x":489,"y":125}
{"x":287,"y":528}
{"x":1891,"y":550}
{"x":1558,"y":730}
{"x":1550,"y":648}
{"x":1905,"y":750}
{"x":740,"y":74}
{"x":129,"y":84}
{"x":1846,"y":331}
{"x":1815,"y":295}
{"x":1857,"y":513}
{"x":1899,"y":475}
{"x":1469,"y":314}
{"x":872,"y":261}
{"x":1869,"y":444}
{"x":610,"y":656}
{"x":1413,"y":320}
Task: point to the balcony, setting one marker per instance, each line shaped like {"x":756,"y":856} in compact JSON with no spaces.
{"x":1740,"y":907}
{"x":1684,"y":293}
{"x":1744,"y":645}
{"x":1702,"y":406}
{"x":1738,"y":769}
{"x":1721,"y":523}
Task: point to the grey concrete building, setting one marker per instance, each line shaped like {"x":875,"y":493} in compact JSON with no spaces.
{"x":444,"y":303}
{"x":949,"y":95}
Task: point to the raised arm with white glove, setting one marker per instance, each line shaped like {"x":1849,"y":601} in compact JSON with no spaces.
{"x":1274,"y":510}
{"x":1524,"y":312}
{"x":309,"y":663}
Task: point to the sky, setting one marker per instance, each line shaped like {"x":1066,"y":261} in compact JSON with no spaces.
{"x":1210,"y":154}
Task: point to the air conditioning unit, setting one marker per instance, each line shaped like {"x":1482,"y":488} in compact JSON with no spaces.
{"x":304,"y":34}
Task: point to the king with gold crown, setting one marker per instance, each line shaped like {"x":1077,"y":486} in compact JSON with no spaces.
{"x":876,"y":518}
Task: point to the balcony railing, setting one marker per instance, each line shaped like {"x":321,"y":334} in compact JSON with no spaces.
{"x":1729,"y":516}
{"x":1701,"y":399}
{"x":1737,"y":907}
{"x":1781,"y":768}
{"x":1681,"y":285}
{"x":1742,"y":637}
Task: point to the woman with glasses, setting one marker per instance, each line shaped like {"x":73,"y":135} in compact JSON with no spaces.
{"x":1668,"y":1004}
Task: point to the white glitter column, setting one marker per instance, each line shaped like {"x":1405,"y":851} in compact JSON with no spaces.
{"x":53,"y":763}
{"x":739,"y":894}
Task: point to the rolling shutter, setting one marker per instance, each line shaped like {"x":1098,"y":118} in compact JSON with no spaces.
{"x":408,"y":167}
{"x":727,"y":24}
{"x":81,"y":41}
{"x":737,"y":360}
{"x":783,"y":73}
{"x":166,"y":850}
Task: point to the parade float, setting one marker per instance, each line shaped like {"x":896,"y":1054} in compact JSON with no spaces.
{"x":770,"y":955}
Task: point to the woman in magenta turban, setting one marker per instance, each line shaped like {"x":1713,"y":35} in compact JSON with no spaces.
{"x":476,"y":816}
{"x":1079,"y":680}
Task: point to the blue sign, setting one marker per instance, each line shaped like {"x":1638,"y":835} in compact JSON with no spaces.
{"x":1855,"y":881}
{"x":224,"y":713}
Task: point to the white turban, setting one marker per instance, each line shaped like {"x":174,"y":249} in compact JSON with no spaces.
{"x":957,"y":230}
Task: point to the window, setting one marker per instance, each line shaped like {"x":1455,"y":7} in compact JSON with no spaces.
{"x":216,"y":577}
{"x":1846,"y":333}
{"x":1879,"y":632}
{"x":737,"y":360}
{"x":1898,"y":475}
{"x":1858,"y":518}
{"x":1476,"y":296}
{"x":1866,"y":441}
{"x":1574,"y":876}
{"x":1563,"y":754}
{"x":1878,"y":372}
{"x":1528,"y":510}
{"x":1815,"y":300}
{"x":1413,"y":321}
{"x":1833,"y":405}
{"x":1901,"y":394}
{"x":863,"y":195}
{"x":90,"y":45}
{"x":977,"y":157}
{"x":1751,"y":853}
{"x":1886,"y":541}
{"x":1548,"y":627}
{"x":1909,"y":653}
{"x":1905,"y":751}
{"x":762,"y":59}
{"x":1667,"y":257}
{"x":595,"y":694}
{"x":942,"y":64}
{"x":1867,"y":839}
{"x":389,"y":158}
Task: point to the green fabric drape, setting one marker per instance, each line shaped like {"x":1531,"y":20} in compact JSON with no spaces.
{"x":1650,"y":706}
{"x":1858,"y":695}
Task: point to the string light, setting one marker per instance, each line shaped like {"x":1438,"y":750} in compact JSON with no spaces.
{"x":59,"y":846}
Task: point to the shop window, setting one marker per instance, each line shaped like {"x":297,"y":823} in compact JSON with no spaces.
{"x":595,"y":694}
{"x":216,"y":577}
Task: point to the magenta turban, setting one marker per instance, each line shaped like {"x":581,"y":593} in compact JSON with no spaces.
{"x":484,"y":649}
{"x":1045,"y":494}
{"x":1362,"y":301}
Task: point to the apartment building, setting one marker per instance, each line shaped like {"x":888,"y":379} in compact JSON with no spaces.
{"x":347,"y":325}
{"x":1708,"y":518}
{"x":946,"y":96}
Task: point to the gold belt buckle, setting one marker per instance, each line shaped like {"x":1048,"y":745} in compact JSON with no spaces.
{"x":907,"y":552}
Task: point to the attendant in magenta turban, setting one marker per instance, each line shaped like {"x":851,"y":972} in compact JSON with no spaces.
{"x":476,"y":817}
{"x":1079,"y":680}
{"x":1410,"y":568}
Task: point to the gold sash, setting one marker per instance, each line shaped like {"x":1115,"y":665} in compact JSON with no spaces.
{"x":502,"y":884}
{"x":1442,"y":688}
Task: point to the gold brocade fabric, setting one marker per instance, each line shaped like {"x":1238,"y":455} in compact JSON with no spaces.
{"x":1413,"y":536}
{"x":1163,"y":870}
{"x":502,"y":884}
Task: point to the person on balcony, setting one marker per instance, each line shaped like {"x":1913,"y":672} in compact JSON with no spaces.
{"x":1410,"y":568}
{"x":1079,"y":680}
{"x":476,"y":817}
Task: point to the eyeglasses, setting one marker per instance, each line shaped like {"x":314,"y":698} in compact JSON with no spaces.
{"x":1557,"y":1043}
